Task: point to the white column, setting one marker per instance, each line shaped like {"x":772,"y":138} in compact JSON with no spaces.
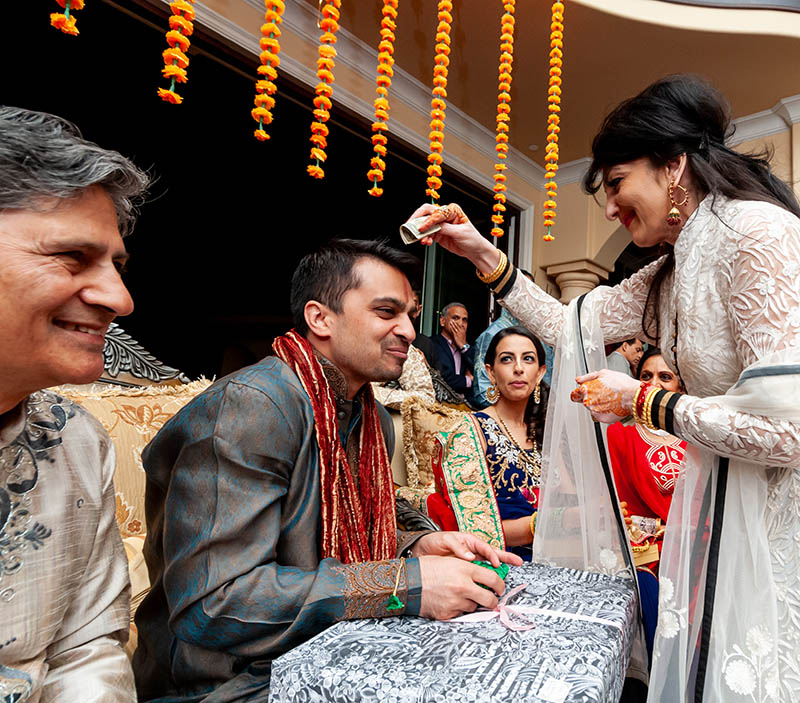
{"x":575,"y":278}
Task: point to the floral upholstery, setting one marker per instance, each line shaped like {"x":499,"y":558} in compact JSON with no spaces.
{"x":132,"y":417}
{"x":422,"y":422}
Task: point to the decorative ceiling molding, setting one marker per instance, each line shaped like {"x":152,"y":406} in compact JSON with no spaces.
{"x":301,"y":18}
{"x":767,"y":122}
{"x":357,"y":56}
{"x":768,"y":22}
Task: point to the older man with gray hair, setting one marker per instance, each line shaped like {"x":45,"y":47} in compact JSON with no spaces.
{"x":64,"y":590}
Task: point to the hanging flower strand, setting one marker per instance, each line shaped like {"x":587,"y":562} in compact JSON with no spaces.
{"x":270,"y":48}
{"x":324,"y":90}
{"x":503,"y":114}
{"x":175,"y":59}
{"x":64,"y":20}
{"x":383,"y":81}
{"x":554,"y":107}
{"x":438,"y":104}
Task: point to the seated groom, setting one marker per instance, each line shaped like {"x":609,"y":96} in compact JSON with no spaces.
{"x":64,"y":590}
{"x":270,"y":502}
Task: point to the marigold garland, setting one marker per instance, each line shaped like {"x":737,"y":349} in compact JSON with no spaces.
{"x":267,"y":71}
{"x":64,"y":20}
{"x":175,"y":59}
{"x":383,"y":80}
{"x":438,"y":104}
{"x":324,"y":90}
{"x":503,"y":114}
{"x":554,"y":107}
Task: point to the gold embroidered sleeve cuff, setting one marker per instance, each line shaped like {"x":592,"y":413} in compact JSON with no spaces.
{"x":368,"y":586}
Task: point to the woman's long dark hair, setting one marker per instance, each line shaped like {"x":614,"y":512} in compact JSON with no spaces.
{"x":534,"y":412}
{"x":675,"y":115}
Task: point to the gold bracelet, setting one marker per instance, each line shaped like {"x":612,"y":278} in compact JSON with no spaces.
{"x":498,"y":271}
{"x":533,"y":523}
{"x":648,"y":408}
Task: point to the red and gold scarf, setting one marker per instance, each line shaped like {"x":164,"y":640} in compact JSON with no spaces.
{"x":358,"y":524}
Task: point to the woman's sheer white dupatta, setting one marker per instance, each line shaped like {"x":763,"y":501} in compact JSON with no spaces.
{"x":579,"y":524}
{"x":718,"y":637}
{"x":718,"y":633}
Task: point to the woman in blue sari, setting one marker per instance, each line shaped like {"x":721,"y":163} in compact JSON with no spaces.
{"x":497,"y":473}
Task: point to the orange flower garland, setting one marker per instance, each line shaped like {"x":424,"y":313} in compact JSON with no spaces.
{"x":438,"y":104}
{"x":175,"y":59}
{"x":503,"y":114}
{"x":270,"y":48}
{"x":383,"y":81}
{"x":322,"y":103}
{"x":63,"y":20}
{"x":554,"y":106}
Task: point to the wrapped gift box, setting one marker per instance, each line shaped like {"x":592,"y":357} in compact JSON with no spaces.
{"x":577,"y":651}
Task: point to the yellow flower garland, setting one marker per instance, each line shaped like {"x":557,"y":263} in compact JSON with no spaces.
{"x":175,"y":59}
{"x":270,"y":48}
{"x":503,"y":114}
{"x":554,"y":106}
{"x":64,"y":20}
{"x":383,"y":81}
{"x":324,"y":90}
{"x":438,"y":105}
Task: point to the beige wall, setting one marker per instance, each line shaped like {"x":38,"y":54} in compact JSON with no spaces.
{"x":585,"y":236}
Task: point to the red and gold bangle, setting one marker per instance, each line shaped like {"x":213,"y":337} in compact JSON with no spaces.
{"x":638,"y":401}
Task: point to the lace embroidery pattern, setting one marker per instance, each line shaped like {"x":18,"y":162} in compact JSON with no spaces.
{"x":46,"y":416}
{"x":751,"y":671}
{"x":368,"y":586}
{"x":735,"y":292}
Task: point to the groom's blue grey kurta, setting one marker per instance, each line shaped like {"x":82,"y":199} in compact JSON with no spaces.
{"x":233,"y":514}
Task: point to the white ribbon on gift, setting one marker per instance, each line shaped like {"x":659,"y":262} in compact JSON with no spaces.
{"x":503,"y":611}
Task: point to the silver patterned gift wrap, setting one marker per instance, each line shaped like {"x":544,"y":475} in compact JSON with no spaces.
{"x":577,"y":650}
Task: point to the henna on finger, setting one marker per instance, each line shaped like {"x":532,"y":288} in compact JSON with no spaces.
{"x":450,"y":214}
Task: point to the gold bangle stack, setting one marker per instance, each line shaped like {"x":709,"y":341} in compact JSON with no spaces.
{"x":533,"y":523}
{"x":498,"y":271}
{"x":647,"y":410}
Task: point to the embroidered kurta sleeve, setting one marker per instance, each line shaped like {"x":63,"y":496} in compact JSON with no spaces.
{"x":621,"y":307}
{"x":241,"y":527}
{"x":86,"y":660}
{"x":764,"y":310}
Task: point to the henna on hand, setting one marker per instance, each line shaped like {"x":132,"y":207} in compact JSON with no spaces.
{"x":451,"y":214}
{"x":600,"y":399}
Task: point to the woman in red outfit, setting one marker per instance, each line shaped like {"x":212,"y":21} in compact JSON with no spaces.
{"x":646,"y":464}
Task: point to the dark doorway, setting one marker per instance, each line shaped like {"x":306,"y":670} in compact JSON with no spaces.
{"x":229,"y":217}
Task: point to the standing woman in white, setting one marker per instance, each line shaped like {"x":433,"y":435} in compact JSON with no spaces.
{"x":724,"y":305}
